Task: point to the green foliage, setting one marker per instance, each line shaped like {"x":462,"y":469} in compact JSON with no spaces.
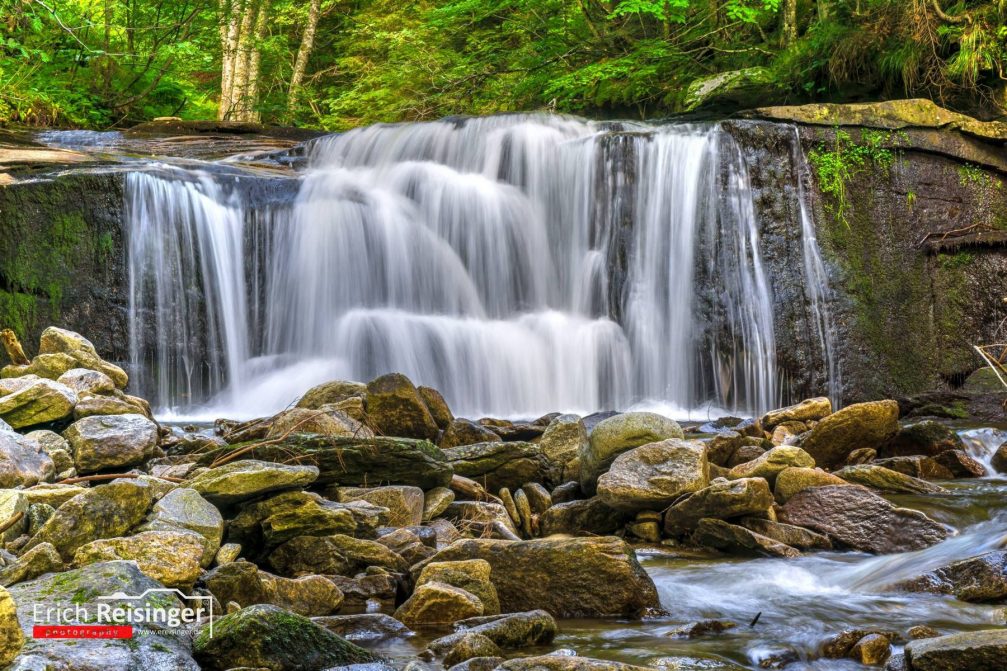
{"x":836,"y":164}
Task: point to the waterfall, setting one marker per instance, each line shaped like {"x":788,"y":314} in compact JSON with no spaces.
{"x":521,"y":264}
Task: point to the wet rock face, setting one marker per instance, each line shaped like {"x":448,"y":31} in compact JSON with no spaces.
{"x":971,"y":651}
{"x":854,"y":517}
{"x":856,"y":426}
{"x":977,"y":579}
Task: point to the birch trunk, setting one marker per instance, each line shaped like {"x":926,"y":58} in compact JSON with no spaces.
{"x":251,"y":97}
{"x":230,"y":21}
{"x":788,"y":22}
{"x":303,"y":53}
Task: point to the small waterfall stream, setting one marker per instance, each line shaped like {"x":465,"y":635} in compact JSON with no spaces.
{"x":521,"y":264}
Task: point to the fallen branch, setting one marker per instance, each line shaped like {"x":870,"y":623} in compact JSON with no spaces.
{"x":13,"y":346}
{"x":113,"y":476}
{"x":14,"y":519}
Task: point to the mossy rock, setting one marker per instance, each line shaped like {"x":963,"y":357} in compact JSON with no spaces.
{"x":267,"y":637}
{"x":736,"y":88}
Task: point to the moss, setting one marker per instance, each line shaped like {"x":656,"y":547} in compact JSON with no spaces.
{"x":17,"y":311}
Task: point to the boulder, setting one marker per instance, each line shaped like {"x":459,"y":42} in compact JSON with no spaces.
{"x":769,"y":464}
{"x":925,"y":468}
{"x":111,"y":441}
{"x":53,"y":494}
{"x":23,"y":462}
{"x":172,"y":558}
{"x":999,"y":459}
{"x":723,"y":499}
{"x":75,"y":591}
{"x":86,"y":381}
{"x":859,"y":425}
{"x":183,"y":509}
{"x":105,"y":405}
{"x":242,"y":480}
{"x":245,"y":584}
{"x":436,"y":501}
{"x":736,"y":539}
{"x":721,"y":447}
{"x":969,"y":651}
{"x":395,"y":408}
{"x":509,"y":632}
{"x":466,"y":432}
{"x":437,"y":406}
{"x":361,"y":462}
{"x":105,"y":511}
{"x":497,"y":464}
{"x":887,"y":480}
{"x":335,"y":554}
{"x":960,"y":464}
{"x":39,"y":402}
{"x":470,"y":646}
{"x":11,"y":636}
{"x":734,"y":89}
{"x":792,"y":480}
{"x":63,"y":342}
{"x":621,"y":433}
{"x":577,"y":577}
{"x":331,"y":392}
{"x":364,"y":627}
{"x":788,"y":534}
{"x":482,"y":517}
{"x":472,"y":575}
{"x":928,"y":438}
{"x":435,"y":603}
{"x":653,"y":476}
{"x":856,"y":518}
{"x":976,"y":579}
{"x":265,"y":636}
{"x":562,"y":443}
{"x":39,"y":560}
{"x":811,"y":409}
{"x":583,"y":516}
{"x":321,"y":422}
{"x":404,"y":503}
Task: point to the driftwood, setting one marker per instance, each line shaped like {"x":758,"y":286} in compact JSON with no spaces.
{"x":471,"y":490}
{"x":969,"y":236}
{"x":13,"y":346}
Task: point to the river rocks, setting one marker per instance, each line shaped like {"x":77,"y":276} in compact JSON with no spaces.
{"x":61,"y":341}
{"x":436,"y":501}
{"x":472,"y":575}
{"x":364,"y":627}
{"x":482,"y":518}
{"x":11,"y":636}
{"x":111,"y":441}
{"x":86,"y":381}
{"x":436,"y":603}
{"x":855,"y":426}
{"x":23,"y":462}
{"x":243,"y":480}
{"x":591,"y":516}
{"x":40,"y":560}
{"x":265,"y":636}
{"x":788,"y":534}
{"x":653,"y":476}
{"x":172,"y":558}
{"x":365,"y":462}
{"x":509,"y":632}
{"x":960,"y":464}
{"x":437,"y":406}
{"x":331,"y":392}
{"x":37,"y":402}
{"x":322,"y":422}
{"x":149,"y":648}
{"x":735,"y":539}
{"x":793,"y":480}
{"x":497,"y":465}
{"x":887,"y":480}
{"x":395,"y":408}
{"x":856,"y":518}
{"x":970,"y":651}
{"x":184,"y":509}
{"x":999,"y":459}
{"x":103,"y":405}
{"x":578,"y":577}
{"x":404,"y":504}
{"x":466,"y":432}
{"x":812,"y":409}
{"x":928,"y":438}
{"x":771,"y":463}
{"x":721,"y":447}
{"x":335,"y":554}
{"x":105,"y":511}
{"x":245,"y":584}
{"x":471,"y":646}
{"x":566,"y":663}
{"x":723,"y":499}
{"x":562,"y":443}
{"x":977,"y":579}
{"x":918,"y":466}
{"x":615,"y":435}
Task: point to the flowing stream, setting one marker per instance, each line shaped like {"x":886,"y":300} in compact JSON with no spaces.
{"x":520,"y":264}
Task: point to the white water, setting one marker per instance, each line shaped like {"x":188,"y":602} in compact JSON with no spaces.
{"x":520,"y":264}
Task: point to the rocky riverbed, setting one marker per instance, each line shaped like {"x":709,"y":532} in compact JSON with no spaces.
{"x":367,"y":525}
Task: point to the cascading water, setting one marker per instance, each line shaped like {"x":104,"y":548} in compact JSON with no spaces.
{"x":520,"y":264}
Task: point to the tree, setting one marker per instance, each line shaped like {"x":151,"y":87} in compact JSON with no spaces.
{"x":303,"y":53}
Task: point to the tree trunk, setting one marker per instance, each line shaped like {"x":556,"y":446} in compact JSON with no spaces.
{"x":303,"y":53}
{"x":251,"y":99}
{"x":242,"y":60}
{"x":823,"y":10}
{"x":230,"y":22}
{"x":788,"y":22}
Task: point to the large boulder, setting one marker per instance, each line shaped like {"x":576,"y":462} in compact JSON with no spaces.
{"x":86,"y":381}
{"x":968,"y":651}
{"x":561,"y":445}
{"x":23,"y":461}
{"x":590,"y":516}
{"x":792,"y":480}
{"x":808,"y":410}
{"x":653,"y":476}
{"x":510,"y":631}
{"x":473,"y":576}
{"x":887,"y":480}
{"x":329,"y":393}
{"x":336,"y":554}
{"x":247,"y":479}
{"x":61,"y":341}
{"x":153,"y":646}
{"x":576,"y":577}
{"x":771,"y":463}
{"x":854,"y":517}
{"x":733,"y":89}
{"x":268,"y":637}
{"x":183,"y":509}
{"x":323,"y":422}
{"x":497,"y":465}
{"x":437,"y":603}
{"x":859,"y":425}
{"x":467,"y":432}
{"x":11,"y":635}
{"x":38,"y":402}
{"x":111,"y":441}
{"x":172,"y":558}
{"x":928,"y":438}
{"x":358,"y":461}
{"x":621,"y":433}
{"x":243,"y":583}
{"x":982,"y":578}
{"x":736,"y":539}
{"x":723,"y":499}
{"x":396,"y":408}
{"x":105,"y":511}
